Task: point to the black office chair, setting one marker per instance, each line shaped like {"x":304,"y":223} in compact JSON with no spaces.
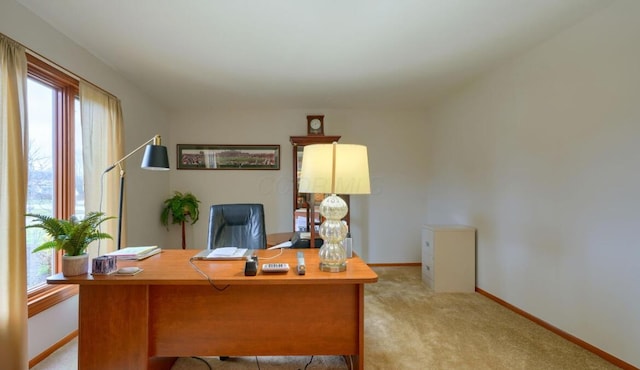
{"x":237,"y":225}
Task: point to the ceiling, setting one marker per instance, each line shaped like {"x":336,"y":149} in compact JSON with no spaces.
{"x":356,"y":54}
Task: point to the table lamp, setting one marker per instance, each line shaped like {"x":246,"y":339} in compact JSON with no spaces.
{"x":155,"y":158}
{"x":334,"y":169}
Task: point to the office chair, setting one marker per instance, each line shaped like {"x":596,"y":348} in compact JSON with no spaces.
{"x":237,"y":225}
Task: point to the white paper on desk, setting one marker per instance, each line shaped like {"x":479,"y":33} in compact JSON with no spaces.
{"x":228,"y":252}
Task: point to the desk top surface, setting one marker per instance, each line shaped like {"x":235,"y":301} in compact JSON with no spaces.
{"x":173,"y":267}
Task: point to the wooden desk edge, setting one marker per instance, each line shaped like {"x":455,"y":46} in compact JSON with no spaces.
{"x":88,"y":279}
{"x":172,"y":267}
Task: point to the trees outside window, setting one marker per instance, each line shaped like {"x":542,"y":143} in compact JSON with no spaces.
{"x":55,"y":178}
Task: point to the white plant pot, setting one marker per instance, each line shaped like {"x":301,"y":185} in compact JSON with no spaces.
{"x":75,"y":265}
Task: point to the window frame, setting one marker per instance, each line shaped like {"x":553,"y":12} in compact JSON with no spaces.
{"x":66,"y":88}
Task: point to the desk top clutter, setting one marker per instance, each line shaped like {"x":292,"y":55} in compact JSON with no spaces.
{"x":173,"y":266}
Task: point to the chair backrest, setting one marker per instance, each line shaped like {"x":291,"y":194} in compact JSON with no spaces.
{"x":237,"y":225}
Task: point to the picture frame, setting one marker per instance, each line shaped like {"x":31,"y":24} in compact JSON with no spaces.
{"x":228,"y":157}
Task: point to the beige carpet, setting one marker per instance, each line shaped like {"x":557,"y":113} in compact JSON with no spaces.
{"x":407,"y":326}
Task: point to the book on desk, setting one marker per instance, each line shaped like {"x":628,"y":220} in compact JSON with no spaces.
{"x":135,"y":253}
{"x":222,"y":253}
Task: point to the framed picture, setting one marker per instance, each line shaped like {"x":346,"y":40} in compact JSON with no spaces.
{"x":228,"y":157}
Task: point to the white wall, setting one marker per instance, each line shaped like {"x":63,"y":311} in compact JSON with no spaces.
{"x":50,"y":326}
{"x":143,"y":118}
{"x":385,"y":224}
{"x":542,"y":156}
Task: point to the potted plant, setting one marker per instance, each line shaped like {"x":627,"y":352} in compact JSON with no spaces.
{"x":181,"y":208}
{"x":72,"y":236}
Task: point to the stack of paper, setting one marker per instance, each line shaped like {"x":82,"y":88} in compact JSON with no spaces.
{"x":135,"y":253}
{"x":228,"y":252}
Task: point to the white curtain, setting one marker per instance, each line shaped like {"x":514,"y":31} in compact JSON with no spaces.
{"x":13,"y":189}
{"x":102,"y":145}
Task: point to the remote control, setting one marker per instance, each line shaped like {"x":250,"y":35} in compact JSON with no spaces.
{"x":275,"y":267}
{"x":301,"y":269}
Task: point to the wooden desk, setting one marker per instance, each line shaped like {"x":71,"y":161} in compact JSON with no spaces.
{"x":169,"y":310}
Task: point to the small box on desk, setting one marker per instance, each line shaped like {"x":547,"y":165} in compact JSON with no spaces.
{"x":104,"y":265}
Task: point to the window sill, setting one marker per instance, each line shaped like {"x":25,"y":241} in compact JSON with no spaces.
{"x":49,"y":296}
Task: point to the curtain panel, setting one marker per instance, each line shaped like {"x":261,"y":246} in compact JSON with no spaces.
{"x":13,"y":189}
{"x":102,"y":145}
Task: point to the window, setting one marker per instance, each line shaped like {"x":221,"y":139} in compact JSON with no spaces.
{"x":55,"y":185}
{"x":40,"y":192}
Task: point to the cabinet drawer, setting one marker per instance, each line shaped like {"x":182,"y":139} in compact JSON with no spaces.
{"x":427,"y":242}
{"x":427,"y":281}
{"x":427,"y":254}
{"x":427,"y":270}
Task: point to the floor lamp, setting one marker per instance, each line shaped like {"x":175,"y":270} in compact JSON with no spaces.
{"x":155,"y":158}
{"x":334,"y":169}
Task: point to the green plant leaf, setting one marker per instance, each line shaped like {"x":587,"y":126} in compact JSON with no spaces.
{"x":72,"y":236}
{"x":181,"y":208}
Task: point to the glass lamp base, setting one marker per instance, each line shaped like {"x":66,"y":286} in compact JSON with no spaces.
{"x":329,"y":267}
{"x":333,"y":231}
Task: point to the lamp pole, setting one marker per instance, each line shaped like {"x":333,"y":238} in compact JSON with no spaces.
{"x":155,"y":158}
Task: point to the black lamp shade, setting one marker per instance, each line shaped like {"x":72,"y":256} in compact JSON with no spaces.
{"x":155,"y":158}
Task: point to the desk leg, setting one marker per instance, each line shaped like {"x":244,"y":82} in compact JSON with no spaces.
{"x":113,"y":327}
{"x":358,"y":360}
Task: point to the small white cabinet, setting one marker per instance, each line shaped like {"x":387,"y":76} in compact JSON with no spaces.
{"x":449,"y":257}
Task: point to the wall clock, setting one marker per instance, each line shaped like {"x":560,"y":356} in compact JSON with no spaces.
{"x":315,"y":125}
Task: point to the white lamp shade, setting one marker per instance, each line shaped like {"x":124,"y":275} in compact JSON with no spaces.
{"x":351,"y":173}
